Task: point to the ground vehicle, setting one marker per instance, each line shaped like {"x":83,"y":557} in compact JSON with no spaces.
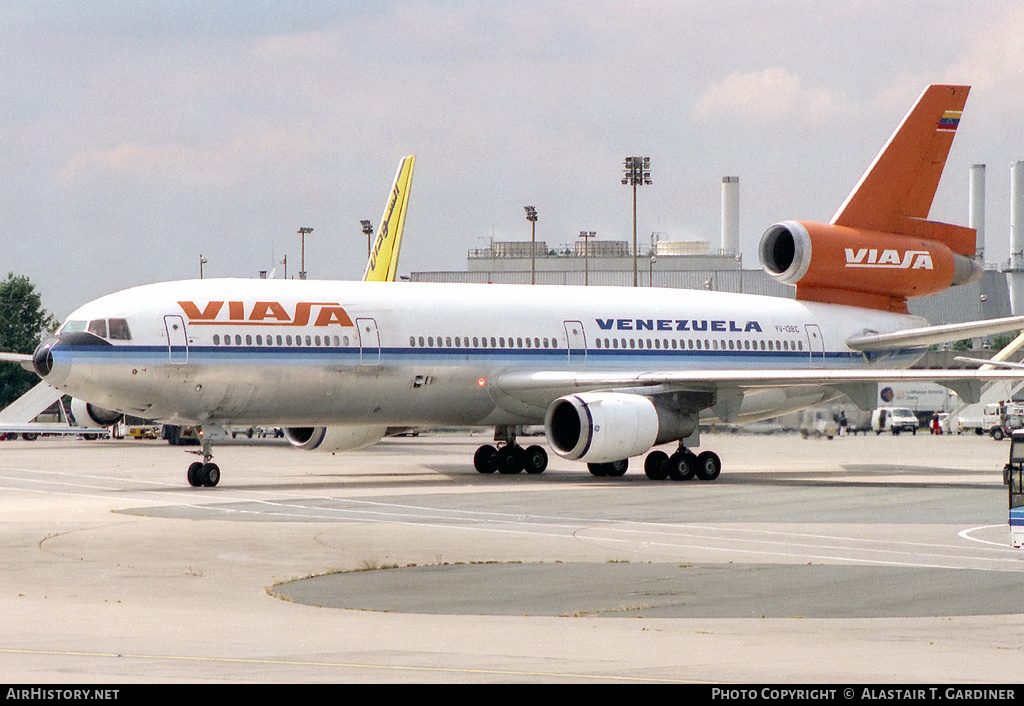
{"x":998,"y":420}
{"x":819,"y":423}
{"x":1016,"y":462}
{"x":894,"y":419}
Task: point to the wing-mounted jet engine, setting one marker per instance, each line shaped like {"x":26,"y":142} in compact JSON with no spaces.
{"x":337,"y":438}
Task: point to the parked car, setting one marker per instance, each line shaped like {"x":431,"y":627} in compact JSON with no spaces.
{"x":894,"y":419}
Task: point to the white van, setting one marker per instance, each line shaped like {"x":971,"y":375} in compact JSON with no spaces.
{"x":893,"y":419}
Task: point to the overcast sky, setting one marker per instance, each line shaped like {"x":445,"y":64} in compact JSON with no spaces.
{"x":135,"y":136}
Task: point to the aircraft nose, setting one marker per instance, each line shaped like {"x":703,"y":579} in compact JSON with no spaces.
{"x":42,"y":359}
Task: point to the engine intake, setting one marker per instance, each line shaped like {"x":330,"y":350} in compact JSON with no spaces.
{"x":601,"y":427}
{"x":89,"y":416}
{"x":331,"y":439}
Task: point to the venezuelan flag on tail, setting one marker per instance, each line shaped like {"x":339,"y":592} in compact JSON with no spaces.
{"x":383,"y":263}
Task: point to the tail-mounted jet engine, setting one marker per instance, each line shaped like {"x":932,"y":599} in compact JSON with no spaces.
{"x":843,"y":265}
{"x":331,"y":439}
{"x":602,"y":427}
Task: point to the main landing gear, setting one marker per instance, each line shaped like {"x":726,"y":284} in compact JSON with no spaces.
{"x":204,"y":473}
{"x":509,"y":458}
{"x":682,"y":465}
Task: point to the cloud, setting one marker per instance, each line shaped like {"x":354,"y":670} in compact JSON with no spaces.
{"x":251,"y":151}
{"x":770,"y":94}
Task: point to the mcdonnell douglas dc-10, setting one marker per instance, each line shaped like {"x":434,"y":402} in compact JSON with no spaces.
{"x":610,"y":372}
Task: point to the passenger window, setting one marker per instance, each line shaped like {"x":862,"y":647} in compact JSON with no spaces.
{"x":216,"y":339}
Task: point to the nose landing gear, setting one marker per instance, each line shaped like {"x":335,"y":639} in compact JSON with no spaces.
{"x":205,"y":473}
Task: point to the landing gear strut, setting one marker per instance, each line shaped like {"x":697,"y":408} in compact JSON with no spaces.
{"x":509,"y":458}
{"x":204,"y":473}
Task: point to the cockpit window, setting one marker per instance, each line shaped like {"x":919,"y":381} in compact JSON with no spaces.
{"x":73,"y":326}
{"x":119,"y":330}
{"x":98,"y":327}
{"x":113,"y":329}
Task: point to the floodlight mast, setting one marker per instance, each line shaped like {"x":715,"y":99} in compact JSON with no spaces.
{"x":304,"y":232}
{"x":368,"y":231}
{"x":531,"y":216}
{"x":637,"y":172}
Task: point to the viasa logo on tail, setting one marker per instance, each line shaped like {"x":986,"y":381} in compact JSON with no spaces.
{"x":889,"y":259}
{"x":267,"y":313}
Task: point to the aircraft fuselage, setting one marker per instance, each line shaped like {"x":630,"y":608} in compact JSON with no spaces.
{"x":291,"y":352}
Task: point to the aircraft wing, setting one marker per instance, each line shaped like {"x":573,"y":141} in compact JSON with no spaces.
{"x":724,"y":389}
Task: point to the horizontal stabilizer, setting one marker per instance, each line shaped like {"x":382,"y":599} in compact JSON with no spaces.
{"x":22,"y":359}
{"x":931,"y":335}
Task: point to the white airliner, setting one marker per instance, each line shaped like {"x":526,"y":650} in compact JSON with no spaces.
{"x":610,"y":372}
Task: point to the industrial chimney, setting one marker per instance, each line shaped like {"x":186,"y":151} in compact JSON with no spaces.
{"x":976,"y":215}
{"x":731,"y":215}
{"x":1015,"y":274}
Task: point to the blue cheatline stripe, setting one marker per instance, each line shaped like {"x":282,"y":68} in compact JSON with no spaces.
{"x":598,"y":357}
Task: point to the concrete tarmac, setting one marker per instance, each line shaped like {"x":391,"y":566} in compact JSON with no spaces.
{"x":858,"y":560}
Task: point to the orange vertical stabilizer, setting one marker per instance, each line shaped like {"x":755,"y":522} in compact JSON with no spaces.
{"x":896,"y":192}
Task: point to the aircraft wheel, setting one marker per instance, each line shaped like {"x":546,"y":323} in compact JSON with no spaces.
{"x":709,"y":466}
{"x":195,"y":474}
{"x":681,"y":465}
{"x":611,"y":469}
{"x":210,"y":474}
{"x":535,"y":458}
{"x":618,"y":468}
{"x":656,"y":465}
{"x":485,"y":460}
{"x":510,"y":460}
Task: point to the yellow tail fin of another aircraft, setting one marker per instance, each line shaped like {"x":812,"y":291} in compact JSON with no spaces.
{"x":383,"y":263}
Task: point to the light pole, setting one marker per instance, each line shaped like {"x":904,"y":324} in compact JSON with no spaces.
{"x":368,"y":231}
{"x":303,"y":232}
{"x":586,"y":235}
{"x":637,"y":173}
{"x":531,"y":216}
